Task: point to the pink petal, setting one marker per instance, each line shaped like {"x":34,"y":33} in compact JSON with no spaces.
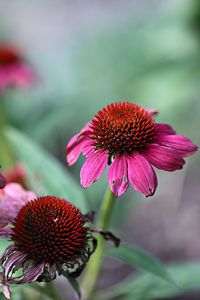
{"x":72,"y":141}
{"x":78,"y":143}
{"x":118,"y":175}
{"x":75,"y":150}
{"x":181,"y":143}
{"x":93,"y":167}
{"x":151,"y":111}
{"x":164,"y":158}
{"x":16,"y":257}
{"x":164,"y":129}
{"x":6,"y":291}
{"x":21,"y":76}
{"x":6,"y":232}
{"x":141,"y":175}
{"x":31,"y":274}
{"x":13,"y":197}
{"x":88,"y":149}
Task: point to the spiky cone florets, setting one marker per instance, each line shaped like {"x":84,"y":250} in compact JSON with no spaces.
{"x":50,"y":236}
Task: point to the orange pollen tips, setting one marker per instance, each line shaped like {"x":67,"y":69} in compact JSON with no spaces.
{"x":50,"y":230}
{"x":8,"y":56}
{"x":122,"y":128}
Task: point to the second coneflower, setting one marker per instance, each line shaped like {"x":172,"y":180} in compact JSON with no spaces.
{"x":125,"y":136}
{"x":49,"y":236}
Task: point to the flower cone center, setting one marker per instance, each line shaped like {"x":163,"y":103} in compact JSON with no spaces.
{"x":122,"y":128}
{"x":50,"y":230}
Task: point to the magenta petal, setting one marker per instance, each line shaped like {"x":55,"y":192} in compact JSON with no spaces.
{"x":88,"y":149}
{"x":6,"y":232}
{"x":31,"y":274}
{"x":72,"y":141}
{"x":93,"y":167}
{"x":74,"y":151}
{"x":164,"y":129}
{"x":6,"y":291}
{"x":180,"y":143}
{"x":164,"y":158}
{"x":78,"y":143}
{"x":16,"y":257}
{"x":118,"y":175}
{"x":74,"y":148}
{"x":141,"y":175}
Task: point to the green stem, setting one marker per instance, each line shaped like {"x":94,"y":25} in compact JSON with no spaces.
{"x":94,"y":265}
{"x":51,"y":291}
{"x":46,"y":290}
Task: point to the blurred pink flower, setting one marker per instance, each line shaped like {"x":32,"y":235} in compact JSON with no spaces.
{"x":12,"y":198}
{"x":14,"y":70}
{"x":125,"y":136}
{"x":16,"y":173}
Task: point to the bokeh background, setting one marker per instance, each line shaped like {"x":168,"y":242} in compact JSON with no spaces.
{"x":91,"y":53}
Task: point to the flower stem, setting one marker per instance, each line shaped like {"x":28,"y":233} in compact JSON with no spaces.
{"x":51,"y":291}
{"x":94,"y":265}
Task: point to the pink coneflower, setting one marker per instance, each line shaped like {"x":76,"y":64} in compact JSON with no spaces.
{"x":124,"y":136}
{"x":49,"y":236}
{"x":12,"y":197}
{"x":14,"y":70}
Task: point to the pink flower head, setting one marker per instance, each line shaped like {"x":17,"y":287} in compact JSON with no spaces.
{"x":49,"y":236}
{"x":14,"y":70}
{"x":124,"y":136}
{"x":12,"y":198}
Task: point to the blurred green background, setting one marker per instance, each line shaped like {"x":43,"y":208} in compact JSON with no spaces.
{"x":91,"y":53}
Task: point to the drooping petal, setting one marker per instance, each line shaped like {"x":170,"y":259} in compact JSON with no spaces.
{"x":88,"y":149}
{"x":6,"y":291}
{"x":118,"y":175}
{"x":74,"y":151}
{"x":5,"y":232}
{"x":78,"y":143}
{"x":7,"y":252}
{"x":141,"y":174}
{"x":164,"y":129}
{"x":17,"y":257}
{"x":84,"y":132}
{"x":181,"y":143}
{"x":31,"y":274}
{"x":163,"y":157}
{"x":93,"y":167}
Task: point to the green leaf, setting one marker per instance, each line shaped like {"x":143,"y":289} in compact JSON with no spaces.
{"x":141,"y":259}
{"x":45,"y":174}
{"x":149,"y":287}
